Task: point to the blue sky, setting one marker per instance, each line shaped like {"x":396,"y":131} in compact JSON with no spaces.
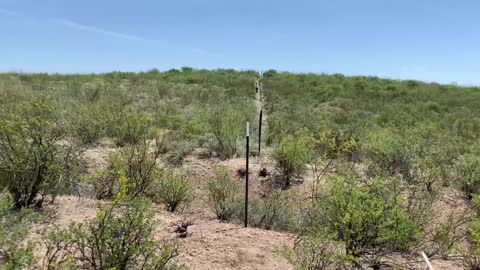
{"x":406,"y":39}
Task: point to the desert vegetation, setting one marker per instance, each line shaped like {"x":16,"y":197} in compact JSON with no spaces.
{"x":364,"y":173}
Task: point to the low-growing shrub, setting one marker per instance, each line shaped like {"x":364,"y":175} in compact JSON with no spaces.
{"x":173,"y":189}
{"x":292,"y":155}
{"x":137,"y":162}
{"x":467,"y":170}
{"x":364,"y":217}
{"x":471,"y":260}
{"x":311,"y":253}
{"x":227,"y":124}
{"x":389,"y":153}
{"x":179,"y":151}
{"x":87,"y":123}
{"x":38,"y":158}
{"x":223,"y":194}
{"x":15,"y":251}
{"x":91,"y":122}
{"x":130,"y":128}
{"x":279,"y":210}
{"x":121,"y":237}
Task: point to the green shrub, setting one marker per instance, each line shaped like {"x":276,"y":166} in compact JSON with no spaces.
{"x":293,"y":153}
{"x":130,"y":128}
{"x":137,"y":162}
{"x":279,"y":210}
{"x":90,"y":122}
{"x":364,"y":218}
{"x":387,"y":152}
{"x":87,"y":123}
{"x":121,"y":237}
{"x":313,"y":253}
{"x":173,"y":189}
{"x":467,"y":170}
{"x":471,"y":260}
{"x":180,"y":150}
{"x":36,"y":159}
{"x":269,"y":73}
{"x":15,"y":251}
{"x":223,"y":194}
{"x":227,"y":124}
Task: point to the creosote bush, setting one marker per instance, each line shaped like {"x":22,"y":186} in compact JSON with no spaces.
{"x":16,"y":252}
{"x":223,"y":194}
{"x":467,"y":169}
{"x":227,"y":124}
{"x":131,"y":128}
{"x":121,"y":237}
{"x":278,"y":210}
{"x":137,"y":162}
{"x":313,"y":253}
{"x":37,"y":159}
{"x":364,"y":218}
{"x":173,"y":189}
{"x":293,"y":153}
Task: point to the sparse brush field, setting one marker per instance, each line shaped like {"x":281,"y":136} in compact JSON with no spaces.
{"x":146,"y":171}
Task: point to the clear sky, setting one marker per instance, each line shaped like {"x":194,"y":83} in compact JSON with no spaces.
{"x":431,"y":40}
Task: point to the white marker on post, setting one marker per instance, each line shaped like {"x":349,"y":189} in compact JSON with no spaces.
{"x":248,"y":129}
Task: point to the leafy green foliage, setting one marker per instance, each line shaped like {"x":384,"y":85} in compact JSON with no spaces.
{"x":364,"y":217}
{"x":173,"y":189}
{"x":15,"y":251}
{"x":137,"y":162}
{"x":392,"y":124}
{"x":471,"y":260}
{"x":278,"y":210}
{"x":121,"y":237}
{"x":313,"y":253}
{"x":227,"y":124}
{"x":126,"y":107}
{"x":131,"y":128}
{"x":467,"y":169}
{"x":223,"y":194}
{"x":90,"y":122}
{"x":293,"y":153}
{"x":35,"y":160}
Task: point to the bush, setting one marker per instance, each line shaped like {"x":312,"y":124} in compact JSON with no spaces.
{"x":91,"y":122}
{"x":467,"y":170}
{"x":138,"y":164}
{"x":223,"y":194}
{"x":279,"y":210}
{"x":174,"y":144}
{"x":36,"y":159}
{"x":173,"y":189}
{"x":15,"y":251}
{"x":364,"y":218}
{"x":121,"y":237}
{"x":389,"y":153}
{"x":293,"y":153}
{"x":130,"y":128}
{"x":471,"y":260}
{"x":227,"y":124}
{"x":180,"y":150}
{"x":311,"y":253}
